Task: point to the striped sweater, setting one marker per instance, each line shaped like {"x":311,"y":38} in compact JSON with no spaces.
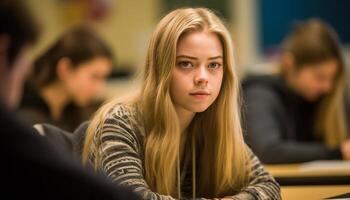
{"x":121,"y":153}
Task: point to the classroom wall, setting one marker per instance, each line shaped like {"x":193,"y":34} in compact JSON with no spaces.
{"x":126,"y":29}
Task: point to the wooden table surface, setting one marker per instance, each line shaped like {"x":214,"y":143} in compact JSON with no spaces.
{"x":322,"y":168}
{"x":313,"y":192}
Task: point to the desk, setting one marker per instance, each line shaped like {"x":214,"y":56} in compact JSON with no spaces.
{"x":313,"y":180}
{"x":312,"y":173}
{"x":313,"y":192}
{"x":298,"y":170}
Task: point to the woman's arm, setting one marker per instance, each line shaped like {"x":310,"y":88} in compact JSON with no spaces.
{"x":261,"y":185}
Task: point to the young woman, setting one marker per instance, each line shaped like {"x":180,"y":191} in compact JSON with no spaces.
{"x":66,"y":79}
{"x":181,"y":137}
{"x":298,"y":115}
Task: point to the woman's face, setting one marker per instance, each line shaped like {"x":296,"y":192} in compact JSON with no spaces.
{"x":313,"y":81}
{"x":87,"y":81}
{"x":197,"y":76}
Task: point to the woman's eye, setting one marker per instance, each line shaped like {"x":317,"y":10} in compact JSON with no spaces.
{"x":185,"y":64}
{"x":214,"y":65}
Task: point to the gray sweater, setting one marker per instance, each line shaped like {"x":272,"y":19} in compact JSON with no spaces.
{"x":121,"y":158}
{"x":279,"y":123}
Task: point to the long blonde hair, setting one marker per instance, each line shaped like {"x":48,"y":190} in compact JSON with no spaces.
{"x":313,"y":42}
{"x":223,"y":157}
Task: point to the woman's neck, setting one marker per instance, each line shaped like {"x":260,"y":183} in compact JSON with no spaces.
{"x":56,"y":98}
{"x":185,"y":118}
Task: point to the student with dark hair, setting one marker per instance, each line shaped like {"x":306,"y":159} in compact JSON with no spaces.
{"x":298,"y":115}
{"x":32,"y":169}
{"x":66,"y":79}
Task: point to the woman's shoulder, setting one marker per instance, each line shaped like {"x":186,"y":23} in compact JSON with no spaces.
{"x":267,"y":81}
{"x":126,"y":116}
{"x":269,"y":87}
{"x":123,"y":111}
{"x":120,"y":124}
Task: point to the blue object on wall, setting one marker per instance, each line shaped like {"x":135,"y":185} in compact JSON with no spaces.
{"x":276,"y":18}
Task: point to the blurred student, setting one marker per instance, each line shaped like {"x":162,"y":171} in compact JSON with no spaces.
{"x":31,"y":168}
{"x":181,"y":136}
{"x":66,"y":80}
{"x":298,"y":114}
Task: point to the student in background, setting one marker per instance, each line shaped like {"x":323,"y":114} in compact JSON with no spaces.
{"x":299,"y":114}
{"x":66,"y":79}
{"x":31,"y":168}
{"x":181,"y":136}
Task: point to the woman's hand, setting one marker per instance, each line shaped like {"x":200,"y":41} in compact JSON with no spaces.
{"x":345,"y":149}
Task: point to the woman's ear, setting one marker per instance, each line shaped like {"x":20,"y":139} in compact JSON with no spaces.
{"x":64,"y":68}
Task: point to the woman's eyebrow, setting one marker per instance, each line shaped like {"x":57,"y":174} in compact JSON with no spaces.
{"x":185,"y":56}
{"x":194,"y":58}
{"x":215,"y":57}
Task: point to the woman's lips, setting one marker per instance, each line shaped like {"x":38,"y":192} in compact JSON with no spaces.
{"x":200,"y":94}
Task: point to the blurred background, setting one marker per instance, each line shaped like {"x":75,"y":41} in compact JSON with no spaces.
{"x":257,"y":27}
